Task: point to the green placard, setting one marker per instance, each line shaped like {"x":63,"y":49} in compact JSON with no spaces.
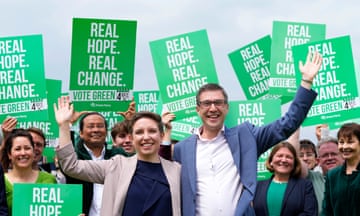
{"x":49,"y":153}
{"x":184,"y":128}
{"x":285,"y":35}
{"x":356,"y":118}
{"x":336,"y":85}
{"x":259,"y":113}
{"x":251,"y":65}
{"x":146,"y":100}
{"x":102,"y":64}
{"x":47,"y":199}
{"x":22,"y":78}
{"x":50,"y":128}
{"x":183,"y":63}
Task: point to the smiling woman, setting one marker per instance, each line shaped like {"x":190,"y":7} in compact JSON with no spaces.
{"x":17,"y":157}
{"x":143,"y":184}
{"x":285,"y":193}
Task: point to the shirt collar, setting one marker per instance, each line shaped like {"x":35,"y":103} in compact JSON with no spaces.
{"x":102,"y":155}
{"x":199,"y":131}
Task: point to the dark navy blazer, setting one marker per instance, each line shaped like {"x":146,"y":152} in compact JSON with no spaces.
{"x":299,"y":198}
{"x":3,"y":204}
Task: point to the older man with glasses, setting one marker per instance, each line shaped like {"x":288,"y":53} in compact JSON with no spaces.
{"x":328,"y":158}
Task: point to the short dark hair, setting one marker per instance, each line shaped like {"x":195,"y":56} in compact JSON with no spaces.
{"x":8,"y":143}
{"x":120,"y":128}
{"x":210,"y":87}
{"x":81,"y":123}
{"x":296,"y":172}
{"x":308,"y":144}
{"x":146,"y":114}
{"x":39,"y":132}
{"x":349,"y":129}
{"x":328,"y":139}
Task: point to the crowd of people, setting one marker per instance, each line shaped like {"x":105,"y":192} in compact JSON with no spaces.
{"x":212,"y":172}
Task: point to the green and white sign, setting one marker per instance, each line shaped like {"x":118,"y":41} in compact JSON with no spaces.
{"x":102,"y":64}
{"x":356,"y":118}
{"x":184,"y":128}
{"x":285,"y":35}
{"x":252,"y":67}
{"x":183,"y":63}
{"x":146,"y":100}
{"x":259,"y":113}
{"x":335,"y":83}
{"x":22,"y":78}
{"x":47,"y":199}
{"x":49,"y":127}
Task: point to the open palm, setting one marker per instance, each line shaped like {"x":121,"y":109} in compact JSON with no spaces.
{"x":63,"y":110}
{"x":311,"y":66}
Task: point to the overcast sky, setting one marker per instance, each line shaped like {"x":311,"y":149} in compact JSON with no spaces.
{"x":230,"y":24}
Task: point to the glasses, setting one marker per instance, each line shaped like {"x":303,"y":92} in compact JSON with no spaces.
{"x":92,"y":126}
{"x":207,"y":103}
{"x":329,"y":155}
{"x":309,"y":154}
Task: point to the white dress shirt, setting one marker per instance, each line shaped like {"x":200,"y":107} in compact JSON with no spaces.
{"x":218,"y":180}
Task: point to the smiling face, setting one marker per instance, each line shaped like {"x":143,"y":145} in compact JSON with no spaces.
{"x":94,"y":131}
{"x":329,"y":156}
{"x":39,"y":145}
{"x":349,"y":147}
{"x":308,"y":156}
{"x":146,"y":138}
{"x":212,"y":108}
{"x":123,"y":140}
{"x":21,"y":153}
{"x":283,"y":162}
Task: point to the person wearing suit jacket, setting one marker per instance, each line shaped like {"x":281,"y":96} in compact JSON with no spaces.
{"x":285,"y":193}
{"x":342,"y":183}
{"x":3,"y":204}
{"x":143,"y":184}
{"x":218,"y":164}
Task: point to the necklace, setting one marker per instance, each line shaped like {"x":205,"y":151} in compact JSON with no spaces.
{"x":280,"y":182}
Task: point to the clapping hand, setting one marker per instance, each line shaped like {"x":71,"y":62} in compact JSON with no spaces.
{"x":8,"y":125}
{"x":166,"y":118}
{"x":130,"y":112}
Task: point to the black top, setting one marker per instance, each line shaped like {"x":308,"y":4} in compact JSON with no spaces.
{"x":149,"y":192}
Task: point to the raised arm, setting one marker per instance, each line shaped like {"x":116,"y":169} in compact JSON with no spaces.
{"x":63,"y":114}
{"x":294,"y":140}
{"x":166,"y":149}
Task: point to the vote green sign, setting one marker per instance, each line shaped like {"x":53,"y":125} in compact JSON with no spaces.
{"x":146,"y":100}
{"x":102,"y":64}
{"x":285,"y":35}
{"x":22,"y":78}
{"x":258,"y":113}
{"x":336,"y":85}
{"x":47,"y":199}
{"x":185,"y":127}
{"x":49,"y":127}
{"x":252,"y":67}
{"x":183,"y":63}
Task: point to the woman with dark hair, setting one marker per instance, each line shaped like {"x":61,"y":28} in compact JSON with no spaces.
{"x":144,"y":184}
{"x":285,"y":193}
{"x":342,"y":185}
{"x":18,"y":154}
